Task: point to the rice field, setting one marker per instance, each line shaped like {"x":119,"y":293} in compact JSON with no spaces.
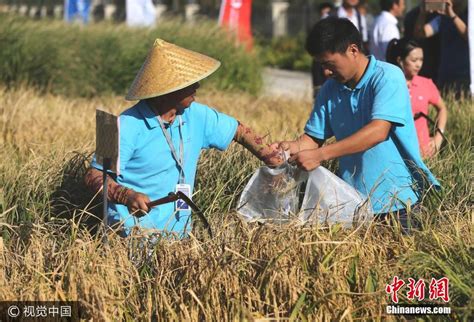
{"x":49,"y":249}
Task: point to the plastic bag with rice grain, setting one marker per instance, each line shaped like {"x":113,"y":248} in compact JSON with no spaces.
{"x":273,"y":195}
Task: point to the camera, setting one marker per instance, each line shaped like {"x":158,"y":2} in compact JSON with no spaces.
{"x":435,"y":5}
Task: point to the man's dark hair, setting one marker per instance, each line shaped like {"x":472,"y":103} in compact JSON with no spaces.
{"x":386,"y":5}
{"x":332,"y":35}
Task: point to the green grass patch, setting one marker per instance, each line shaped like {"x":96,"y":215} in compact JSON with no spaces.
{"x":104,"y":58}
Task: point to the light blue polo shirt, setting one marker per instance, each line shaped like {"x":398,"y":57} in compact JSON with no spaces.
{"x":147,"y":165}
{"x":391,"y":173}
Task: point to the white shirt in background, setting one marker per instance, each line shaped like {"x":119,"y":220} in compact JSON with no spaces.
{"x":342,"y":13}
{"x":140,"y":13}
{"x":385,"y":29}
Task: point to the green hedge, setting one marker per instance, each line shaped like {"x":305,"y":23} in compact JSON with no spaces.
{"x":286,"y":52}
{"x":104,"y":58}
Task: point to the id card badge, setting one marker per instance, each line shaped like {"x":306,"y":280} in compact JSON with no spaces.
{"x":186,"y":189}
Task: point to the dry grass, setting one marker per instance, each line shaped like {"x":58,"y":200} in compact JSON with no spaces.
{"x":245,"y":272}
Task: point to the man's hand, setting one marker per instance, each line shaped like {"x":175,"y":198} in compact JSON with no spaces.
{"x":304,"y":142}
{"x":449,"y":11}
{"x":273,"y":156}
{"x":136,"y":203}
{"x":308,"y":159}
{"x":292,"y":147}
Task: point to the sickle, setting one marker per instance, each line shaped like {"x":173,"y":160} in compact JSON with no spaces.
{"x":172,"y":196}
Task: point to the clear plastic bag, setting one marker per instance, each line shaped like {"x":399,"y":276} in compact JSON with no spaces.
{"x":273,"y":195}
{"x":329,"y":199}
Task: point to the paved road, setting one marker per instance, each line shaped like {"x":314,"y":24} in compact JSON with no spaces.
{"x":287,"y":84}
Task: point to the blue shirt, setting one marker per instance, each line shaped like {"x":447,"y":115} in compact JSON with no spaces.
{"x":147,"y":165}
{"x":454,"y":50}
{"x":387,"y":172}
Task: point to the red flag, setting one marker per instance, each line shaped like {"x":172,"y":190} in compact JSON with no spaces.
{"x":235,"y":15}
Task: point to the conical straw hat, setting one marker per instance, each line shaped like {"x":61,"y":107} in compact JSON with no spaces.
{"x":169,"y":68}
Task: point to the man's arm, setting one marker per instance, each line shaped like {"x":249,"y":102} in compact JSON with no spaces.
{"x":457,"y":21}
{"x":422,"y":29}
{"x":116,"y":193}
{"x":441,"y":120}
{"x":268,"y":153}
{"x":370,"y":135}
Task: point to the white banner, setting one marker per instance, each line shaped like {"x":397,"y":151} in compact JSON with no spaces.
{"x":140,"y":13}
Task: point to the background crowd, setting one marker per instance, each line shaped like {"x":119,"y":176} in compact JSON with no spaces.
{"x":440,"y":29}
{"x":429,"y":44}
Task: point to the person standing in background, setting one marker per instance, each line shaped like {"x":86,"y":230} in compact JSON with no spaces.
{"x":430,"y":46}
{"x":349,"y":10}
{"x":451,"y":24}
{"x":408,"y":55}
{"x":325,"y":9}
{"x":317,"y":75}
{"x":385,"y":27}
{"x":365,"y":12}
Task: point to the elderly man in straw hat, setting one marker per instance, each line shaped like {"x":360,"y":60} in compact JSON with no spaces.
{"x":162,"y":136}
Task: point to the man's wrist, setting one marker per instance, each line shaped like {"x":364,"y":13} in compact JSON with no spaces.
{"x":453,"y":17}
{"x":122,"y":194}
{"x":325,"y":152}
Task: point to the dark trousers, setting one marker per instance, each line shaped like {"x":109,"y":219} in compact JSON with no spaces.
{"x":407,"y":221}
